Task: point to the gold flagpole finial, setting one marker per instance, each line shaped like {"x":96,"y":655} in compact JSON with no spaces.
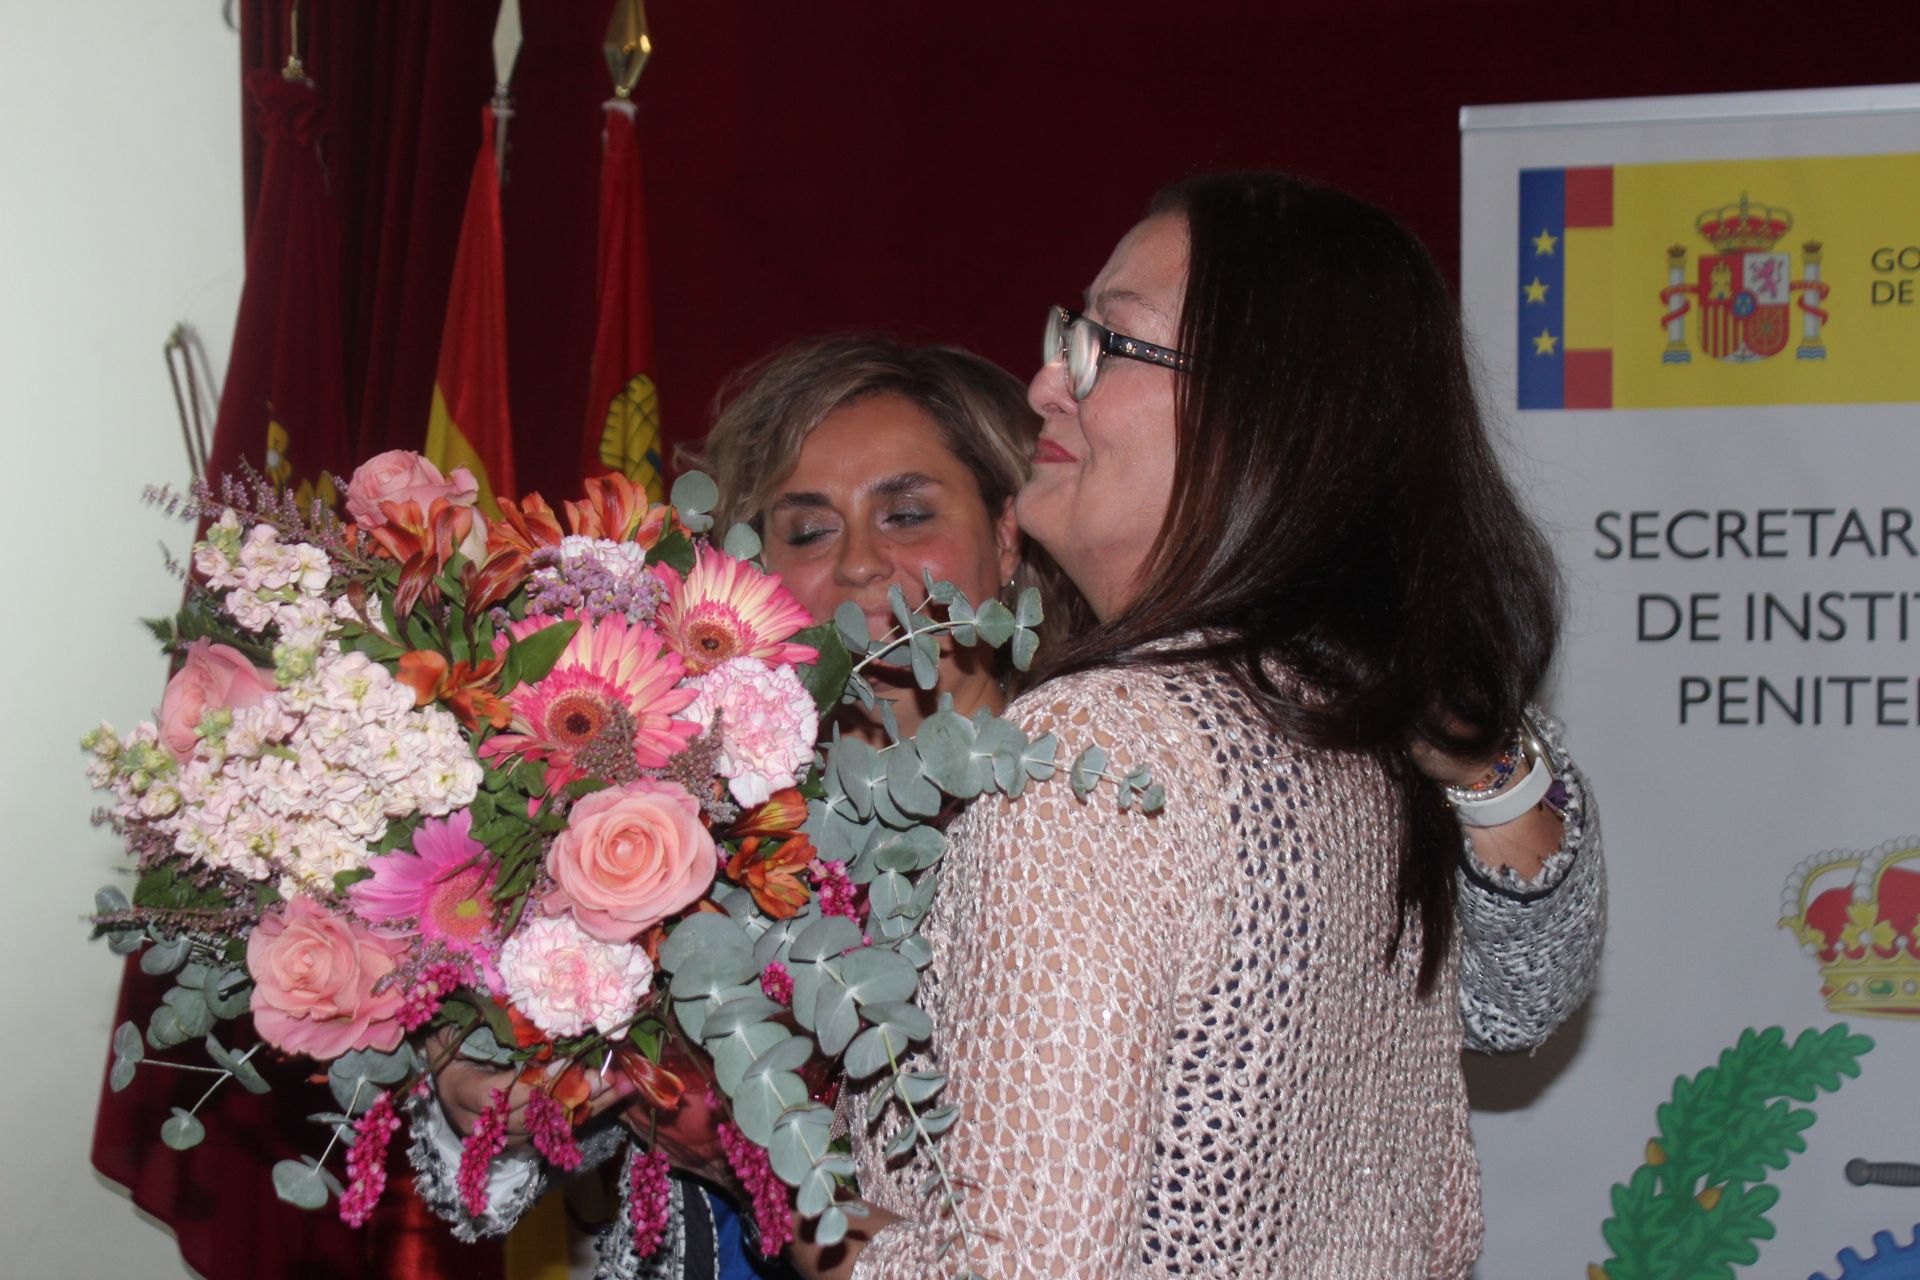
{"x":628,"y":46}
{"x":295,"y":69}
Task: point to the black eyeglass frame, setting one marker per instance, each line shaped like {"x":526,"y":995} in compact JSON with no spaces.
{"x":1109,"y":344}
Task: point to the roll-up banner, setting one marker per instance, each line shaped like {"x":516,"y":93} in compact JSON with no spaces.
{"x":1698,"y":321}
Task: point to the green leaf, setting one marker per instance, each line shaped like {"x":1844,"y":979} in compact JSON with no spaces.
{"x":128,"y":1053}
{"x":108,"y":899}
{"x":741,"y":542}
{"x":184,"y":1131}
{"x":1153,"y":799}
{"x":801,"y":1138}
{"x":946,"y":746}
{"x":1028,"y":611}
{"x":836,"y":1018}
{"x":300,"y":1184}
{"x":694,"y":493}
{"x":240,"y":1068}
{"x":761,"y":1099}
{"x":831,"y":1228}
{"x":916,"y":1087}
{"x":190,"y":1010}
{"x":709,"y":973}
{"x":995,"y":622}
{"x":228,"y":993}
{"x":1087,"y":768}
{"x":825,"y":678}
{"x":907,"y":785}
{"x":874,"y":1050}
{"x":538,"y":653}
{"x":1025,"y":645}
{"x":733,"y":1054}
{"x":705,"y":934}
{"x":924,"y":651}
{"x":736,"y":1015}
{"x":850,"y":620}
{"x":897,"y":601}
{"x":163,"y":1029}
{"x":876,"y":975}
{"x":675,"y":549}
{"x":165,"y":955}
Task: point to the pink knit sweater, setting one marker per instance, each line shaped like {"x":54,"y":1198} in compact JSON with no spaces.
{"x":1175,"y":1046}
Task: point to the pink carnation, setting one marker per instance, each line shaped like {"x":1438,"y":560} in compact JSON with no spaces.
{"x":214,"y":677}
{"x":567,"y":981}
{"x":768,"y":725}
{"x":314,"y":977}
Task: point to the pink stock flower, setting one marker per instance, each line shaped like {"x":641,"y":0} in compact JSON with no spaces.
{"x":400,"y":475}
{"x":214,"y":677}
{"x":441,"y":890}
{"x":768,"y":725}
{"x":608,"y":664}
{"x":726,"y":608}
{"x":315,"y":975}
{"x":630,"y":857}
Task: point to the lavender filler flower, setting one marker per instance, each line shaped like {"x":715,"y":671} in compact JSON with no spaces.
{"x":597,"y":576}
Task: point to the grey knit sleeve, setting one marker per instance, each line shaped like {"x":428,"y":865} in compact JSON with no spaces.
{"x":514,"y":1181}
{"x":1530,"y":949}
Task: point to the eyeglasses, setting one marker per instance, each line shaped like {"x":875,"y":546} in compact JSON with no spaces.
{"x":1083,"y":344}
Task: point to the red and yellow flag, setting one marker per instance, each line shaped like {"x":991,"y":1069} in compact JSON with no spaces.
{"x":469,"y":424}
{"x":623,"y":411}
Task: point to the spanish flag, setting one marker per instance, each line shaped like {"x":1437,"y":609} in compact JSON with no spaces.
{"x":623,"y":411}
{"x":1704,"y":283}
{"x":469,"y":425}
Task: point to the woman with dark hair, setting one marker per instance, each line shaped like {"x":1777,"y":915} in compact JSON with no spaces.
{"x":1222,"y":1039}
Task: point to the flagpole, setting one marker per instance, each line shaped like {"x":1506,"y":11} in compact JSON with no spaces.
{"x":295,"y":69}
{"x":506,"y":52}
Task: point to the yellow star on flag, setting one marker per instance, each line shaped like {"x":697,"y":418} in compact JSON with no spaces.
{"x":1543,"y":244}
{"x":1536,"y":292}
{"x":1543,"y":345}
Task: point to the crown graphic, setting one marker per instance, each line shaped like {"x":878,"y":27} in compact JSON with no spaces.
{"x":1854,"y":914}
{"x":1745,"y":225}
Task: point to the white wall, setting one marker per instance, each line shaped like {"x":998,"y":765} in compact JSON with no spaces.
{"x":119,"y":216}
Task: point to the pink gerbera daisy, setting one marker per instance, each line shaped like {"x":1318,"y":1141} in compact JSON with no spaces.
{"x":727,"y":608}
{"x":441,"y":889}
{"x":609,"y":665}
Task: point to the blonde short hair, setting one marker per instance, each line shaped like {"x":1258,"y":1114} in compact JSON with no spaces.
{"x":766,"y":411}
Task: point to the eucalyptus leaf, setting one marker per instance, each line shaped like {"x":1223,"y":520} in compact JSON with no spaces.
{"x":705,"y":934}
{"x":836,"y":1019}
{"x":1087,"y":768}
{"x":1004,"y":744}
{"x":741,"y":542}
{"x":1153,"y":799}
{"x":916,"y":950}
{"x":229,"y":993}
{"x":831,"y":1228}
{"x":129,"y":1050}
{"x":836,"y":836}
{"x":939,"y":591}
{"x":814,"y":1194}
{"x":924,"y":650}
{"x":1040,"y":759}
{"x":1026,"y":644}
{"x":858,"y":768}
{"x":694,"y":493}
{"x":733,"y":1054}
{"x":873,"y":1050}
{"x":858,"y":690}
{"x":124,"y":942}
{"x":889,"y":893}
{"x":800,"y":1139}
{"x":825,"y":937}
{"x":184,"y":1131}
{"x":380,"y":1068}
{"x":711,"y":972}
{"x":163,"y":1029}
{"x":897,"y":601}
{"x":692,"y":1014}
{"x":916,"y":1087}
{"x":939,"y":1120}
{"x":888,"y":720}
{"x":994,"y":621}
{"x":789,"y":1054}
{"x":874,"y":974}
{"x":807,"y":979}
{"x":902,"y":1142}
{"x":108,"y":899}
{"x":166,"y":955}
{"x":1029,"y":611}
{"x":190,"y":1008}
{"x":945,"y":743}
{"x":761,"y":1099}
{"x":960,"y":618}
{"x":736,"y":1014}
{"x":851,"y":621}
{"x":192,"y":975}
{"x":299,"y":1184}
{"x":907,"y":1018}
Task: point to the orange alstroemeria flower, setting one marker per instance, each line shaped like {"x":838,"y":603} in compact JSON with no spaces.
{"x":423,"y":544}
{"x":659,"y":1086}
{"x":619,"y":510}
{"x":771,"y":873}
{"x":784,"y":813}
{"x":466,"y":688}
{"x":524,"y":526}
{"x":492,"y":582}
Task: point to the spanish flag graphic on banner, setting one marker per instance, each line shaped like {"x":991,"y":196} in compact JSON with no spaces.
{"x":1735,"y":282}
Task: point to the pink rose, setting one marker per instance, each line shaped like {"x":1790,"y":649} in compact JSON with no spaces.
{"x":314,"y":974}
{"x":400,"y":475}
{"x":214,"y":676}
{"x":630,"y":857}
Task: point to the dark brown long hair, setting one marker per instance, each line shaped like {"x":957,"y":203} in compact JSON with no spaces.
{"x":1337,"y":506}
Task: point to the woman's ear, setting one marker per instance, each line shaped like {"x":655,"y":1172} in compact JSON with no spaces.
{"x":1007,"y":540}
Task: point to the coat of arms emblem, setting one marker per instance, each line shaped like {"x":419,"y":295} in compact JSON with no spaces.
{"x":1745,"y":289}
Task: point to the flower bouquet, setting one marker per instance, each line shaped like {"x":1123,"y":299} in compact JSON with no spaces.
{"x":549,"y":797}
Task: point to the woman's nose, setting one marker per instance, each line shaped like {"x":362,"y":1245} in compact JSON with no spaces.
{"x":1047,"y":394}
{"x":863,"y":558}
